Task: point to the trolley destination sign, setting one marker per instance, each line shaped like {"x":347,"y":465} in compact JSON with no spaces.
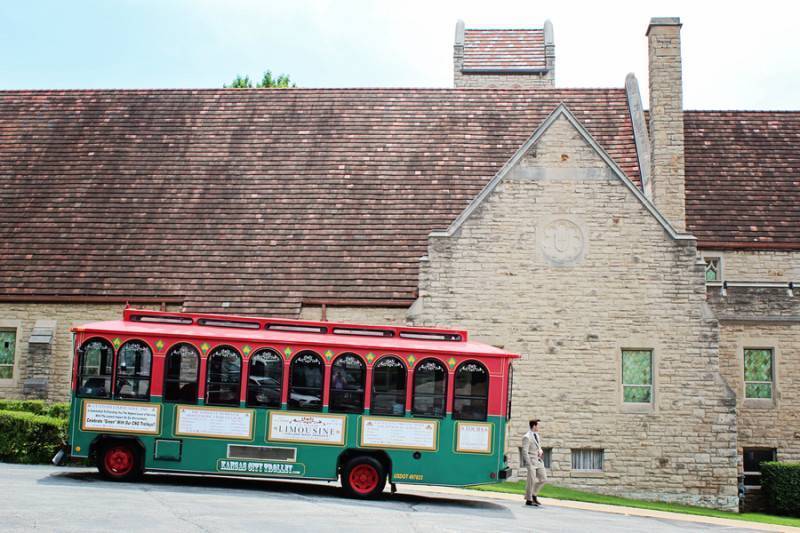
{"x":247,"y":396}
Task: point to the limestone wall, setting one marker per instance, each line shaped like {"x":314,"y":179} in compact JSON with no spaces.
{"x":21,"y":317}
{"x":468,"y":80}
{"x":765,"y":423}
{"x":563,"y":264}
{"x":763,"y":318}
{"x":758,"y":265}
{"x":357,"y":315}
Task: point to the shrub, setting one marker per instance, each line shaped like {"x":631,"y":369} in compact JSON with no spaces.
{"x":38,"y":407}
{"x":781,"y":485}
{"x":29,"y":438}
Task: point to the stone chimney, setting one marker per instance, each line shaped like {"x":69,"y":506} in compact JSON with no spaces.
{"x":666,"y":119}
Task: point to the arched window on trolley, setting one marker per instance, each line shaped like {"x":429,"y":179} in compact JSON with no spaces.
{"x":265,"y":379}
{"x":134,"y":367}
{"x":223,"y":376}
{"x":95,"y":365}
{"x":471,"y":391}
{"x":181,"y":373}
{"x":430,"y":388}
{"x":306,"y":374}
{"x":388,"y":387}
{"x":348,"y":376}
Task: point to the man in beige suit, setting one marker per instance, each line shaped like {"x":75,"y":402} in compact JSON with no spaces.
{"x":533,"y":459}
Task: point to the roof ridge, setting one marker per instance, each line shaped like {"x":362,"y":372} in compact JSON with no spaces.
{"x":312,"y":89}
{"x":741,"y":110}
{"x":504,"y":29}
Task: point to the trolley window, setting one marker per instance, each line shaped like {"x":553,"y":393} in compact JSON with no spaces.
{"x":388,"y":387}
{"x":348,"y":375}
{"x":223,"y":376}
{"x":134,"y":364}
{"x":305,"y":382}
{"x":471,"y":391}
{"x":95,"y":362}
{"x":182,"y":369}
{"x":264,"y":379}
{"x":430,"y":388}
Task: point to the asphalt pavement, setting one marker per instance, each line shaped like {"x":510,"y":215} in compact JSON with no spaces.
{"x":76,"y":499}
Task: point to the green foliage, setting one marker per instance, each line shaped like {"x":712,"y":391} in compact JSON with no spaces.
{"x":38,"y":407}
{"x":282,"y":81}
{"x":781,"y":484}
{"x":29,"y":438}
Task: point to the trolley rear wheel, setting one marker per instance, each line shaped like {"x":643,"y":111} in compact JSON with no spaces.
{"x":119,"y":461}
{"x":363,"y":477}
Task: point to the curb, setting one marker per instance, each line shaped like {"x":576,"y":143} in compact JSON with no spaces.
{"x":602,"y":508}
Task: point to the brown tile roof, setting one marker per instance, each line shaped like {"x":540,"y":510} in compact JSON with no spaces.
{"x":260,"y":198}
{"x":743,"y":178}
{"x":500,"y":50}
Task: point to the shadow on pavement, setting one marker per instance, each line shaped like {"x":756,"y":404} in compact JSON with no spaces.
{"x":250,"y":487}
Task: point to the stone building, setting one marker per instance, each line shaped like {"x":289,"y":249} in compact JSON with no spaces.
{"x":641,"y":261}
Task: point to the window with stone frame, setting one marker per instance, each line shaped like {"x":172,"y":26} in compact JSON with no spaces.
{"x":758,"y":373}
{"x":587,"y":459}
{"x":547,"y":457}
{"x":751,"y":463}
{"x":637,"y":376}
{"x":8,"y":343}
{"x":713,"y":269}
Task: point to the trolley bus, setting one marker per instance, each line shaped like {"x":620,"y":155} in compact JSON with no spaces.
{"x":244,"y":396}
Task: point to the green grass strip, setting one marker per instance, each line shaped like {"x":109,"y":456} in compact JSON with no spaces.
{"x":561,"y":493}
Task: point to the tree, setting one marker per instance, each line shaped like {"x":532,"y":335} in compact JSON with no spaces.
{"x":282,"y":81}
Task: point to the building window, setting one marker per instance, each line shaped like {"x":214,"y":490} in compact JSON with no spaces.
{"x":265,"y":379}
{"x":8,"y":343}
{"x":95,"y":362}
{"x":758,"y":373}
{"x":547,"y":457}
{"x":751,"y":461}
{"x":388,"y":387}
{"x":430,"y":388}
{"x":181,"y":374}
{"x":305,"y":382}
{"x":348,"y":376}
{"x":713,"y":269}
{"x":134,"y":362}
{"x":587,"y":459}
{"x":223,"y":377}
{"x":471,"y":391}
{"x":637,"y":376}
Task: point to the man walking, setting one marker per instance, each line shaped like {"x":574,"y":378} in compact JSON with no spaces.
{"x":533,"y":458}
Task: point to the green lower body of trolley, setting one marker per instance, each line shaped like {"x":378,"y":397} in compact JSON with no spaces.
{"x":129,"y":438}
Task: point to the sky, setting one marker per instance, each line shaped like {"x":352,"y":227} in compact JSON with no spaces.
{"x":736,"y":55}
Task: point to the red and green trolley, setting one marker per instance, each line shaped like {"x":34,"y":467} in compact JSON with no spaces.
{"x":244,"y":396}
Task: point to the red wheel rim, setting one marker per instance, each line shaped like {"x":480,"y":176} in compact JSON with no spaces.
{"x":363,"y":479}
{"x":118,"y":461}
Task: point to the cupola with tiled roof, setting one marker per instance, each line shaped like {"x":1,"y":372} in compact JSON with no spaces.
{"x":504,"y":57}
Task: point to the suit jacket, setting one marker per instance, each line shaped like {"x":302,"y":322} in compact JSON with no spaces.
{"x":531,"y":446}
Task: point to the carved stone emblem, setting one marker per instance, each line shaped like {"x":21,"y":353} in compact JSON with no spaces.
{"x":562,"y":242}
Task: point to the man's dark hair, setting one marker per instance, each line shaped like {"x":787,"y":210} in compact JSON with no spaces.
{"x":533,"y":422}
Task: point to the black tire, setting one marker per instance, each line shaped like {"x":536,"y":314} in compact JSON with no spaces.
{"x":119,"y":461}
{"x":363,"y":477}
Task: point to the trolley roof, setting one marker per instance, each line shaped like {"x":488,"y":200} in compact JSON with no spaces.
{"x":230,"y":328}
